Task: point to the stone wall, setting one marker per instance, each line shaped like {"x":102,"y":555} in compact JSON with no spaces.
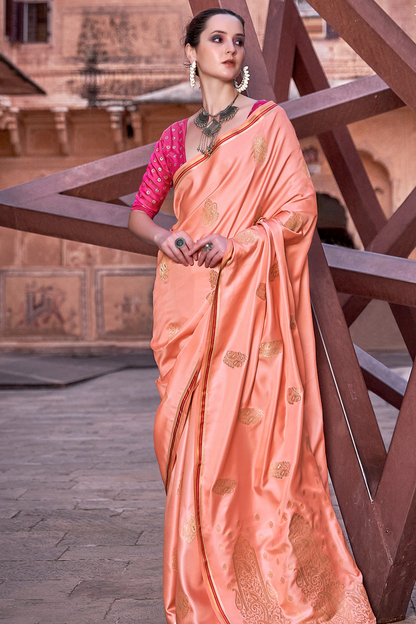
{"x":66,"y":296}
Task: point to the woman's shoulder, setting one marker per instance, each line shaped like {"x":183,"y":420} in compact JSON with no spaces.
{"x":175,"y":129}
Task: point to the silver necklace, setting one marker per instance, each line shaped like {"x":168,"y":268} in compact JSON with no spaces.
{"x":212,"y":128}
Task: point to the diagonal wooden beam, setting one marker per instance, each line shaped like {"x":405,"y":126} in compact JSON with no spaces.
{"x":325,"y":110}
{"x":338,"y":146}
{"x":280,"y":46}
{"x":395,"y":505}
{"x":372,"y":275}
{"x":377,"y":39}
{"x":397,"y":237}
{"x":352,"y":388}
{"x":380,"y":379}
{"x":101,"y":180}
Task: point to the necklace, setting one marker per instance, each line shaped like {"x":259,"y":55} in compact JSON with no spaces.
{"x":211,"y":129}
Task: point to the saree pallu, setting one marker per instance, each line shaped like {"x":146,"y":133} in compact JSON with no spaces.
{"x":250,"y":533}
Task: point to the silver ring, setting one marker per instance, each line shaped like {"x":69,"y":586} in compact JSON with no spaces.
{"x":207,"y":247}
{"x":180,"y":242}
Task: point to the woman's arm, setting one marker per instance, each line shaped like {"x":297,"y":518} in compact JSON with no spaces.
{"x":142,"y":226}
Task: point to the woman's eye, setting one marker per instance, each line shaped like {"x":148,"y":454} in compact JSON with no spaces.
{"x":217,"y":38}
{"x":239,"y":42}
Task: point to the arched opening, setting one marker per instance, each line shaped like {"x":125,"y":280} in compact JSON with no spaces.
{"x":332,"y":221}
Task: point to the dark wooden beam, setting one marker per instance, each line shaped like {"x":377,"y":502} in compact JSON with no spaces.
{"x":395,"y":504}
{"x":331,"y":108}
{"x":372,"y":275}
{"x":380,"y":379}
{"x":377,"y":39}
{"x":280,"y":46}
{"x":345,"y":367}
{"x":338,"y":147}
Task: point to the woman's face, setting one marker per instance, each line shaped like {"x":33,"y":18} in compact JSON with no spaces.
{"x":220,"y":53}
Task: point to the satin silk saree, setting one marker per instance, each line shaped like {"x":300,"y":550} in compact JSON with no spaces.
{"x":250,"y":533}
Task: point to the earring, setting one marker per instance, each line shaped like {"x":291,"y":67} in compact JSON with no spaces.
{"x":192,"y":70}
{"x":244,"y":83}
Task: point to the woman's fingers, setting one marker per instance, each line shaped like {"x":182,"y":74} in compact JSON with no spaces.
{"x":177,"y":246}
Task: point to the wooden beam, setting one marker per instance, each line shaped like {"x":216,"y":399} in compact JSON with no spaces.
{"x":380,"y":379}
{"x":331,"y":108}
{"x":395,"y":504}
{"x":377,"y":39}
{"x":280,"y":46}
{"x":345,"y":367}
{"x":339,"y":148}
{"x":372,"y":275}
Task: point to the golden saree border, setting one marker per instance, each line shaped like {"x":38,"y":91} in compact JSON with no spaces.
{"x":211,"y":340}
{"x":183,"y":171}
{"x":179,"y":423}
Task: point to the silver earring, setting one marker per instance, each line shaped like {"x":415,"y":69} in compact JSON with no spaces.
{"x":244,"y":83}
{"x":192,"y":71}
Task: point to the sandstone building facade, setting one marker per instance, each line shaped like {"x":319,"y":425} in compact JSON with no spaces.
{"x":97,"y":61}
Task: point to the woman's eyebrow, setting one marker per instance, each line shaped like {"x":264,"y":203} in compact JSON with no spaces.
{"x":222,"y":32}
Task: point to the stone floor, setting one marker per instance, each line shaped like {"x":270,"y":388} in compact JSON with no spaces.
{"x":82,"y":503}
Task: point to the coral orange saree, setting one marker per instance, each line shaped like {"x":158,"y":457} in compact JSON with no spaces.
{"x":250,"y":533}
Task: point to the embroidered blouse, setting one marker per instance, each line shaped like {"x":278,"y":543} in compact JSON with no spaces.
{"x":168,"y":156}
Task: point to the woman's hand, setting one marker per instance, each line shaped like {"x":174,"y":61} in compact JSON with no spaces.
{"x":214,"y":256}
{"x":166,"y":243}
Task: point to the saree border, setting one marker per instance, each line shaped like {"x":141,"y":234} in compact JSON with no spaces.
{"x":211,"y":340}
{"x":183,"y":171}
{"x":179,"y":423}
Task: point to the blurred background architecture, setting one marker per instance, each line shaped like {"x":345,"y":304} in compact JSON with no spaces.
{"x":113,"y":78}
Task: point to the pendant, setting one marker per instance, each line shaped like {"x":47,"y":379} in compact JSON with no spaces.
{"x":212,"y":128}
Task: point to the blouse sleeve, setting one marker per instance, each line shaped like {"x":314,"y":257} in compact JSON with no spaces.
{"x":156,"y":182}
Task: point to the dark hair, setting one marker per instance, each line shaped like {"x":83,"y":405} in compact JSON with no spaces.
{"x":198,"y":24}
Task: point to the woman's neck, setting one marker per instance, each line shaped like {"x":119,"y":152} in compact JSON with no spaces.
{"x":216,"y":96}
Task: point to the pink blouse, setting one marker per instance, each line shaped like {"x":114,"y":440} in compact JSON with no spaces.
{"x":168,"y":156}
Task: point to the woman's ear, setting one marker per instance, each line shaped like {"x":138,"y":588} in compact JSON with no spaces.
{"x":190,"y":53}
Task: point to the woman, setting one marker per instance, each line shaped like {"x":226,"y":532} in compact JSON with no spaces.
{"x":250,"y":533}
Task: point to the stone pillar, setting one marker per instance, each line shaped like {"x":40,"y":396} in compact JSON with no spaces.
{"x":9,"y":120}
{"x":116,"y":120}
{"x":61,"y":125}
{"x":137,"y":123}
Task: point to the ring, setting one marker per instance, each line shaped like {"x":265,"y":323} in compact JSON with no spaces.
{"x":207,"y":247}
{"x":180,"y":242}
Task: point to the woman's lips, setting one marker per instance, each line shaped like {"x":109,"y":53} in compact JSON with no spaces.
{"x":229,"y":63}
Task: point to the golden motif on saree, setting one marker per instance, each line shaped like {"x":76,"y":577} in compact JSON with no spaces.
{"x":294,"y":223}
{"x":213,"y":278}
{"x":279,"y":470}
{"x":189,"y":529}
{"x":179,"y":488}
{"x":274,"y":271}
{"x":234,"y":359}
{"x":294,"y":395}
{"x":210,"y":213}
{"x":210,"y":296}
{"x":315,"y":575}
{"x":174,"y":564}
{"x":173,"y":330}
{"x":259,"y":149}
{"x":248,"y":237}
{"x":182,"y":603}
{"x":250,"y":415}
{"x":261,"y":291}
{"x":163,"y":268}
{"x":224,"y":486}
{"x":255,"y":598}
{"x":271,"y":349}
